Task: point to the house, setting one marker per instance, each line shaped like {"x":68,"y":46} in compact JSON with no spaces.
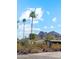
{"x":51,"y":42}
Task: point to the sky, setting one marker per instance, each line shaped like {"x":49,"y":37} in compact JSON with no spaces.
{"x":48,"y":16}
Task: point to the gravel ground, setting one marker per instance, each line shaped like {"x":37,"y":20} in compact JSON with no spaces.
{"x":46,"y":55}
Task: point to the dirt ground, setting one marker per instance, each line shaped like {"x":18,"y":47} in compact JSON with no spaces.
{"x":46,"y":55}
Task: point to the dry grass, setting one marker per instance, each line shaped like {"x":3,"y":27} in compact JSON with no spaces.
{"x":56,"y":46}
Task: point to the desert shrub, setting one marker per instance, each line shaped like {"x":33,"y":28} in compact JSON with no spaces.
{"x":36,"y":50}
{"x":56,"y":46}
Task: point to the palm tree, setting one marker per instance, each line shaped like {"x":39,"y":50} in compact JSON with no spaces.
{"x":24,"y":20}
{"x":17,"y":24}
{"x":32,"y":15}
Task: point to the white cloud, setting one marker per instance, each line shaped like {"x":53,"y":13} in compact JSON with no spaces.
{"x":45,"y":27}
{"x":35,"y":22}
{"x":41,"y":19}
{"x":36,"y":29}
{"x":39,"y":13}
{"x":20,"y":35}
{"x":27,"y":30}
{"x":48,"y":12}
{"x":26,"y":26}
{"x":51,"y":26}
{"x":20,"y":29}
{"x":54,"y":19}
{"x":26,"y":13}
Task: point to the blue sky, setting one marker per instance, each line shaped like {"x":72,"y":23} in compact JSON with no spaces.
{"x":48,"y":20}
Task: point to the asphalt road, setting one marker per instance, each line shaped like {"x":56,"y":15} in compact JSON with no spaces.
{"x":46,"y":55}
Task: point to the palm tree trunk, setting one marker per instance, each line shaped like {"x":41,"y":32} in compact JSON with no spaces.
{"x":24,"y":31}
{"x":17,"y":26}
{"x":31,"y":28}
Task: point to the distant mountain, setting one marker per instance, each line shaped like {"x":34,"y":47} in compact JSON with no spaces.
{"x":54,"y":33}
{"x":43,"y":35}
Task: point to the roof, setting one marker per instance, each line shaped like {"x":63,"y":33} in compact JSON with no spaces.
{"x":55,"y":40}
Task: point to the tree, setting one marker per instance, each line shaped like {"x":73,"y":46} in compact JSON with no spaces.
{"x":32,"y":36}
{"x":50,"y":37}
{"x":24,"y":20}
{"x":32,"y":15}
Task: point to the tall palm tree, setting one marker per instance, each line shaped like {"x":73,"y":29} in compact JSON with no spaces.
{"x":17,"y":24}
{"x":32,"y":15}
{"x":17,"y":27}
{"x":24,"y":20}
